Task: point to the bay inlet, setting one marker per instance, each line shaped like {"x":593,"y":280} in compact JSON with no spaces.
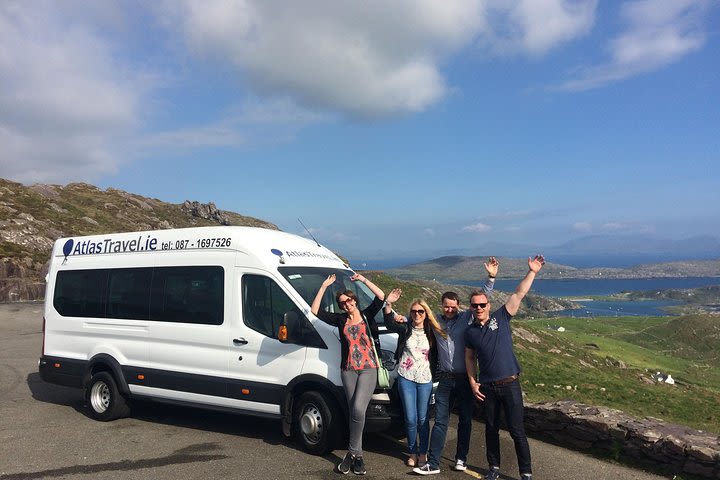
{"x":582,"y":290}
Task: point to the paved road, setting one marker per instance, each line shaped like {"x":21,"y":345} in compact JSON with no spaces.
{"x":44,"y":433}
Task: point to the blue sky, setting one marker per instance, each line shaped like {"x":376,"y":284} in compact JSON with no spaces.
{"x":405,"y":129}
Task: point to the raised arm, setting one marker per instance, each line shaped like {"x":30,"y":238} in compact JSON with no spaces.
{"x":373,"y":288}
{"x":470,"y":366}
{"x":315,"y":307}
{"x":389,"y":315}
{"x":391,"y":298}
{"x":491,"y":266}
{"x":534,"y":265}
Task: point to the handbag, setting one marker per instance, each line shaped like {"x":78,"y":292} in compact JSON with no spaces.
{"x":383,"y":376}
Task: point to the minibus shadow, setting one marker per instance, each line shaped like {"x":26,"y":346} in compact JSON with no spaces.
{"x":55,"y":394}
{"x":267,"y":429}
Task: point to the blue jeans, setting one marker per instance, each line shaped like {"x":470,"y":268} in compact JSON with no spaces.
{"x":416,"y":401}
{"x":449,"y":390}
{"x":509,"y":398}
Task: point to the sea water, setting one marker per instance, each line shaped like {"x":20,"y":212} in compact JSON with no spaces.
{"x":582,"y":289}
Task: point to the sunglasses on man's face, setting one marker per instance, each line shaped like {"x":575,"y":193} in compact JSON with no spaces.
{"x":418,"y":312}
{"x":481,"y":305}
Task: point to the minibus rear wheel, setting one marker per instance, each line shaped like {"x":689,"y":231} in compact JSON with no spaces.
{"x":316,"y":424}
{"x":103,"y":398}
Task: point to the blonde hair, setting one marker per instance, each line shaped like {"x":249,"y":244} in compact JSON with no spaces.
{"x":430,"y":322}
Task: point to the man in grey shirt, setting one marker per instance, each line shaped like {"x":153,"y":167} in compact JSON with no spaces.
{"x":453,"y":384}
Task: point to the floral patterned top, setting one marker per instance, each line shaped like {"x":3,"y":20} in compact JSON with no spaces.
{"x":415,"y":358}
{"x":360,"y":351}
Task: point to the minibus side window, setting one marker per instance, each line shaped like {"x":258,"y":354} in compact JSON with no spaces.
{"x":80,"y":293}
{"x":129,"y":293}
{"x":188,"y":295}
{"x":265,"y":306}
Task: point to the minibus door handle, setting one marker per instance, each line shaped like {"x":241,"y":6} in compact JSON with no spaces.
{"x":240,"y":341}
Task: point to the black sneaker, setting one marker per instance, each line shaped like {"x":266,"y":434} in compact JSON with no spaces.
{"x":526,"y":476}
{"x":344,"y":466}
{"x":493,"y":474}
{"x":427,"y":469}
{"x":358,"y":466}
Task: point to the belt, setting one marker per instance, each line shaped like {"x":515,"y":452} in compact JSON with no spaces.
{"x":451,"y":375}
{"x":504,"y":381}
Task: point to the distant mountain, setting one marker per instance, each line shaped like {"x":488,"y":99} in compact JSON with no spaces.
{"x":33,"y":217}
{"x":458,"y":268}
{"x":640,"y":244}
{"x":616,"y":251}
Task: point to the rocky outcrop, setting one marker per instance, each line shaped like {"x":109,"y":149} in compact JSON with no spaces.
{"x":208,"y":211}
{"x":677,"y":448}
{"x":20,"y":281}
{"x":33,"y":217}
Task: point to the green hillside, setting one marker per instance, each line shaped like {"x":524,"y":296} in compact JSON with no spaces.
{"x":609,"y":361}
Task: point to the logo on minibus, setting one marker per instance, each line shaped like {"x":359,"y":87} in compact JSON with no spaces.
{"x":108,"y":245}
{"x":302,"y":253}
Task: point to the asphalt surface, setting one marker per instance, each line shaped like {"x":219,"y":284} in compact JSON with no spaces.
{"x":45,"y":433}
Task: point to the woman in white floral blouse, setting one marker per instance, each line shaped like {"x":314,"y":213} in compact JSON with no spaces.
{"x":416,"y":355}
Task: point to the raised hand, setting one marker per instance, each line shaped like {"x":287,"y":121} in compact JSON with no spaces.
{"x":535,"y":264}
{"x":329,"y":280}
{"x":492,"y":266}
{"x":357,"y":277}
{"x":394,"y":295}
{"x":400,"y":319}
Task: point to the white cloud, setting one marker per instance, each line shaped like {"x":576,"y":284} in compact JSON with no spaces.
{"x":476,"y":228}
{"x":629,"y":227}
{"x":356,"y":57}
{"x":428,"y":232}
{"x":658,"y":32}
{"x":62,"y":98}
{"x":582,"y":227}
{"x":370,"y":58}
{"x":536,"y":26}
{"x":76,"y":77}
{"x":272,"y":120}
{"x":613,"y":227}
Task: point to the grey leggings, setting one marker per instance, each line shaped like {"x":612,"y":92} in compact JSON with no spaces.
{"x":359,"y":387}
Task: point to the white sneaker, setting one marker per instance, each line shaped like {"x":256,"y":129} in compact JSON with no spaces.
{"x":460,"y":465}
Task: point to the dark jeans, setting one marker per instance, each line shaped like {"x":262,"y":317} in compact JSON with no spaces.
{"x":509,"y":398}
{"x":448,"y":391}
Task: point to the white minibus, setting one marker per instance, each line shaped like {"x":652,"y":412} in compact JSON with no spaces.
{"x":216,"y":317}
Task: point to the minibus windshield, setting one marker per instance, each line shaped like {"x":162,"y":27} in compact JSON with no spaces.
{"x":307,"y":280}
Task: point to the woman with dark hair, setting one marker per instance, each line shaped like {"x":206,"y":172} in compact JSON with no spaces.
{"x":416,"y":355}
{"x":358,"y":363}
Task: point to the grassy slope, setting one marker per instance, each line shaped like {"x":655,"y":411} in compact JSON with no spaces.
{"x":692,"y":402}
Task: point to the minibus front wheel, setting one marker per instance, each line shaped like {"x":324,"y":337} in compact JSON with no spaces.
{"x":316,"y":422}
{"x":103,"y":398}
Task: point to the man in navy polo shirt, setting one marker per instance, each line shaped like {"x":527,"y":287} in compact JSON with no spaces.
{"x":489,"y":339}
